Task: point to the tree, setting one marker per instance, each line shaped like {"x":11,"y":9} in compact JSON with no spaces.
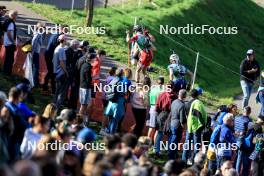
{"x":106,"y":3}
{"x":89,"y":18}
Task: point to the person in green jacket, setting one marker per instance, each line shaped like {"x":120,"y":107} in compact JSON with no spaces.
{"x":196,"y":121}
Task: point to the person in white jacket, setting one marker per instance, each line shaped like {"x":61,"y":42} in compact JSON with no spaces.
{"x":33,"y":135}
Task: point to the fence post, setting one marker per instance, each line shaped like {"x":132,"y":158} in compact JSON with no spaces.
{"x":195,"y":70}
{"x":72,"y":6}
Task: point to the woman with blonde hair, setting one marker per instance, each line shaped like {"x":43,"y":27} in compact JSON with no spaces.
{"x":50,"y":112}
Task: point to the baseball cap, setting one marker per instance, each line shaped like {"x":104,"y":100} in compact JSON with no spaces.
{"x":86,"y":135}
{"x":199,"y":90}
{"x":67,"y":114}
{"x":250,"y":51}
{"x":23,"y":87}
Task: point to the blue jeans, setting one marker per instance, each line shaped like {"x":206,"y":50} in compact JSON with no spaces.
{"x":261,"y":99}
{"x":112,"y":126}
{"x":187,"y":152}
{"x":243,"y":160}
{"x":158,"y":140}
{"x":174,"y":138}
{"x":35,"y":68}
{"x":246,"y":88}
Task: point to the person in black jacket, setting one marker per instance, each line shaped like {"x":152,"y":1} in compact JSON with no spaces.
{"x":86,"y":87}
{"x":249,"y":71}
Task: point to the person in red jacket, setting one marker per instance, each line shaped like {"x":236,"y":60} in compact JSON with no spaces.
{"x":163,"y":108}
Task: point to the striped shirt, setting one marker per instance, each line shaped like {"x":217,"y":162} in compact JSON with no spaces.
{"x":241,"y":123}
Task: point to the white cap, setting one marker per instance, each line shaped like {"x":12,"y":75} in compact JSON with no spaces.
{"x":250,"y":51}
{"x":174,"y":57}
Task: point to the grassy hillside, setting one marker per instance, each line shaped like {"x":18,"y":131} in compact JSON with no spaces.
{"x":218,"y":67}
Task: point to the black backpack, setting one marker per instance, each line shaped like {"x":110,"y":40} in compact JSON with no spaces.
{"x":6,"y":24}
{"x":111,"y":93}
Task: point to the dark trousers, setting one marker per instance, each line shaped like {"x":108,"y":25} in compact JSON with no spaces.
{"x":258,"y":168}
{"x":9,"y":59}
{"x":74,"y":95}
{"x":35,"y":68}
{"x":61,"y":91}
{"x":140,"y":117}
{"x":50,"y":75}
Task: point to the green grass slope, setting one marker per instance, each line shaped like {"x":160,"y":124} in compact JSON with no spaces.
{"x":218,"y":68}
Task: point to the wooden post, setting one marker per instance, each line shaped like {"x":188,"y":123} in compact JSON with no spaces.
{"x":72,"y":7}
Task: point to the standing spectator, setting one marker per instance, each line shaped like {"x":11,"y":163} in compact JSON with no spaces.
{"x":241,"y":128}
{"x":163,"y":108}
{"x":10,"y":41}
{"x":178,"y":121}
{"x":86,"y":87}
{"x":186,"y":156}
{"x":153,"y":95}
{"x":52,"y":44}
{"x":36,"y":46}
{"x":250,"y":71}
{"x":96,"y":69}
{"x":60,"y":71}
{"x":11,"y":110}
{"x":196,"y":121}
{"x":140,"y":103}
{"x":2,"y":14}
{"x":6,"y":128}
{"x":226,"y":139}
{"x":110,"y":77}
{"x":115,"y":109}
{"x":72,"y":56}
{"x":260,"y":95}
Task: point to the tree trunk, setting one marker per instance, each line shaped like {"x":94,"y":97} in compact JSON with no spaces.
{"x":90,"y":13}
{"x":106,"y":3}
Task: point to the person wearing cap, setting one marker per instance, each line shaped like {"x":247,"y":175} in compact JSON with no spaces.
{"x":153,"y":96}
{"x":86,"y":88}
{"x":196,"y":120}
{"x":36,"y":43}
{"x":194,"y":95}
{"x":178,"y":72}
{"x":10,"y":41}
{"x":249,"y":71}
{"x":60,"y":71}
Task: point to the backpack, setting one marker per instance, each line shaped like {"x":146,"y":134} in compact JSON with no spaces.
{"x":216,"y":135}
{"x":143,"y":42}
{"x":111,"y":92}
{"x":54,"y":43}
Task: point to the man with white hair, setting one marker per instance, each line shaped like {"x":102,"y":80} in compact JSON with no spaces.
{"x":10,"y":30}
{"x":226,"y":140}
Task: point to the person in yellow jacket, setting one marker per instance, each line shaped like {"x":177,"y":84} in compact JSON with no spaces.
{"x":196,"y":121}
